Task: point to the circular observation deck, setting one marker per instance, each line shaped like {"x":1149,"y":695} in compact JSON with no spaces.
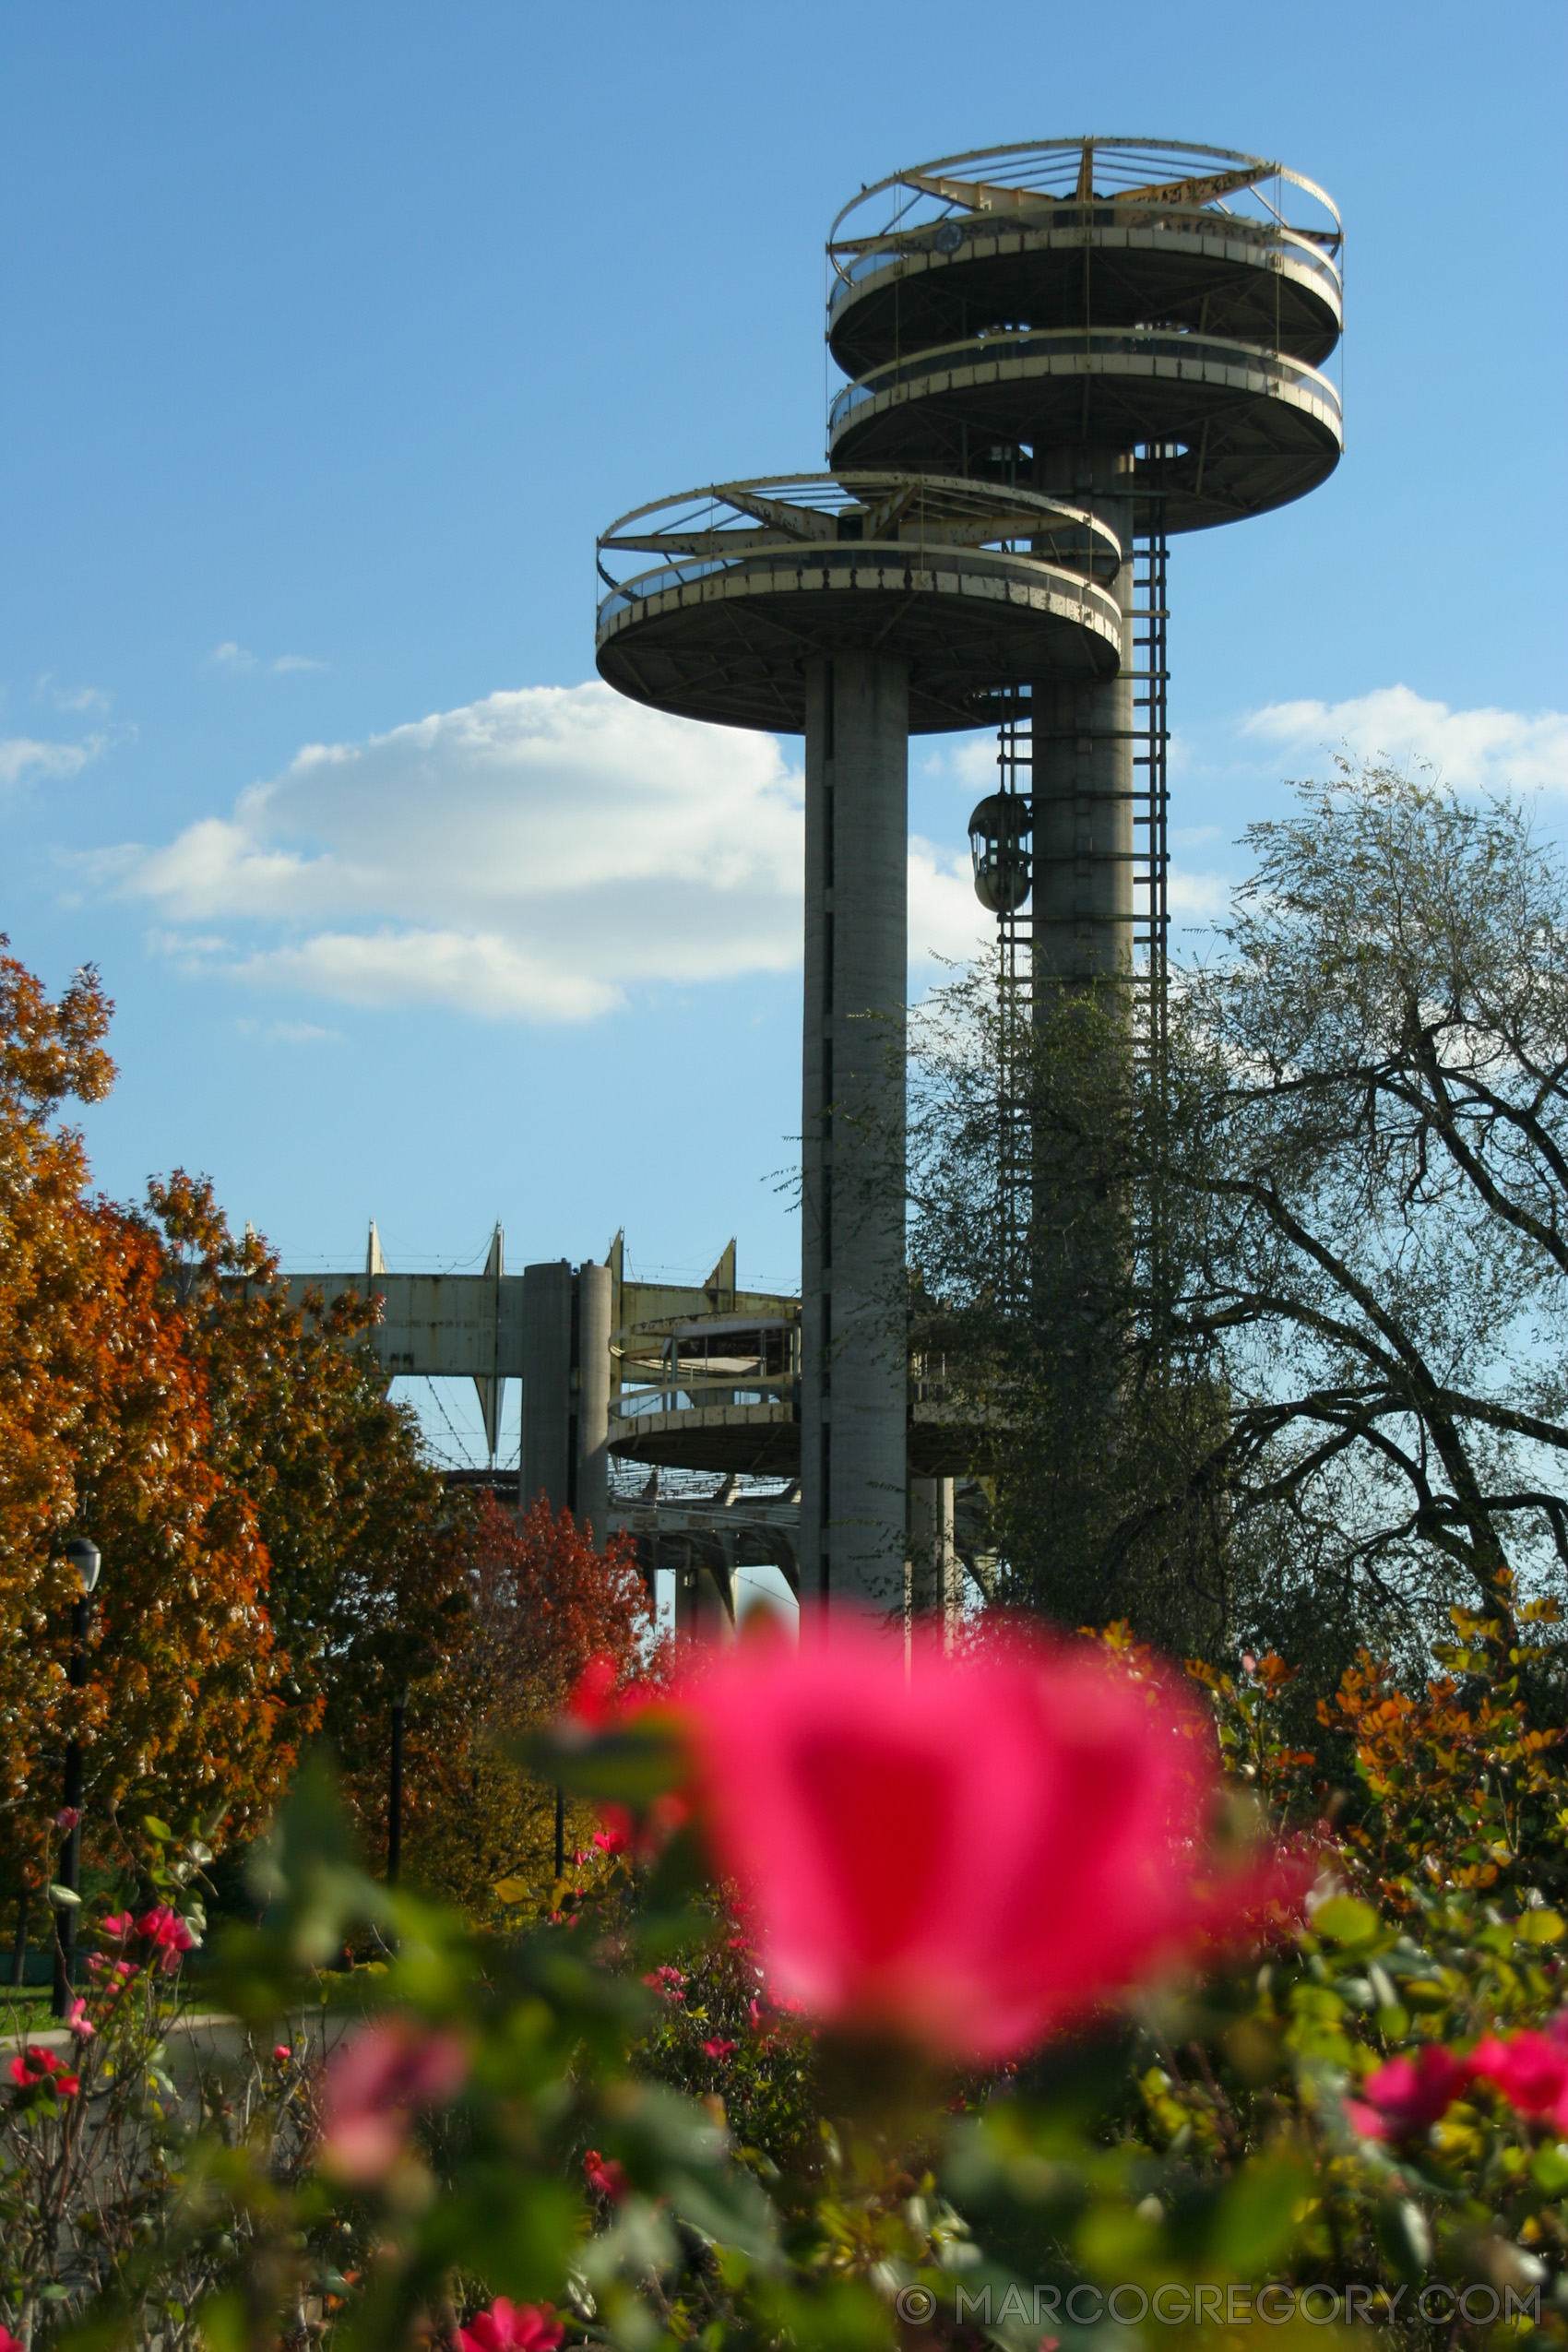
{"x":1144,"y":296}
{"x":1085,"y":232}
{"x":1219,"y":429}
{"x":976,"y":586}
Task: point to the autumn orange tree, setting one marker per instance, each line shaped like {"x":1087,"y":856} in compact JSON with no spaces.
{"x":545,"y":1605}
{"x":106,"y":1429}
{"x":370,"y":1553}
{"x":280,"y":1556}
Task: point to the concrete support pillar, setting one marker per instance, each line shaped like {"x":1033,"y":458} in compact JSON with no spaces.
{"x":590,"y":1504}
{"x":547,"y":1384}
{"x":936,"y":1574}
{"x":704,"y":1596}
{"x":565,"y":1452}
{"x":854,"y":1356}
{"x":1084,"y":779}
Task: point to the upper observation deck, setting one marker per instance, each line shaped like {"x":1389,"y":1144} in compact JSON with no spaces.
{"x":976,"y":586}
{"x":1085,"y":232}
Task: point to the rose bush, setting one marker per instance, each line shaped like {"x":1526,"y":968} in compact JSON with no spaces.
{"x":700,"y":2090}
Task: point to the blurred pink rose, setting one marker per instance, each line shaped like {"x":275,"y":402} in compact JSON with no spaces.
{"x":604,"y":2176}
{"x":117,"y":1925}
{"x":80,"y":2022}
{"x":718,"y":2048}
{"x":37,"y":2067}
{"x":1405,"y":2099}
{"x":968,"y":1853}
{"x":372,"y":2085}
{"x":169,"y":1935}
{"x":1530,"y":2069}
{"x":504,"y":2328}
{"x":67,"y":1819}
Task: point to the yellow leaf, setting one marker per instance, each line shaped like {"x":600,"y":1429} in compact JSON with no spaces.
{"x":512,"y":1890}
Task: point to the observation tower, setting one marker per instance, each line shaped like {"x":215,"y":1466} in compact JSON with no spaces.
{"x":1055,"y":352}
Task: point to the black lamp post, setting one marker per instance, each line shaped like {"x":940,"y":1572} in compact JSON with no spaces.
{"x":87,"y":1560}
{"x":394,"y":1787}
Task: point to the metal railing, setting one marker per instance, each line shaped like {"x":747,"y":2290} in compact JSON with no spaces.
{"x":1014,"y":345}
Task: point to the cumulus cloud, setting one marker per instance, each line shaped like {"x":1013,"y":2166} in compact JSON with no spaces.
{"x":947,"y":923}
{"x":78,"y":698}
{"x":23,"y":758}
{"x":541,"y":854}
{"x":531,"y":856}
{"x":231,"y":654}
{"x":1472,"y":749}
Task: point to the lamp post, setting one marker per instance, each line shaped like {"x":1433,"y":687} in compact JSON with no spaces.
{"x":394,"y":1787}
{"x":87,"y":1560}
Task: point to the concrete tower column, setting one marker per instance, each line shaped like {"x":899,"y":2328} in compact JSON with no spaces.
{"x":854,"y":1357}
{"x":592,"y":1504}
{"x":1083,"y":775}
{"x":935,"y":1572}
{"x":547,"y":1384}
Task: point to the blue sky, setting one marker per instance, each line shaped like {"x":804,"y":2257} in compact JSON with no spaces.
{"x":333,"y":335}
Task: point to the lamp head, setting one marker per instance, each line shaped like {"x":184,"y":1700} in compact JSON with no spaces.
{"x":85,"y":1559}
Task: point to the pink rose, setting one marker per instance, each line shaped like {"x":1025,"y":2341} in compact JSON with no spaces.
{"x":968,"y":1854}
{"x":37,"y":2068}
{"x":1530,"y":2070}
{"x":170,"y":1936}
{"x":504,"y":2328}
{"x":1407,"y":2096}
{"x":604,"y":2176}
{"x":720,"y":2049}
{"x":374,"y":2083}
{"x":67,"y":1819}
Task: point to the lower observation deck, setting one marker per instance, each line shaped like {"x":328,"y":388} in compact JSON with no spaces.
{"x":973,"y":586}
{"x":1237,"y":429}
{"x":763,"y":1440}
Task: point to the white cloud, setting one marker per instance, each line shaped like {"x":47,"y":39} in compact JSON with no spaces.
{"x":541,"y":854}
{"x":233,"y":656}
{"x":1472,"y":749}
{"x":78,"y":698}
{"x":291,"y":1032}
{"x":1196,"y":897}
{"x":533,"y":856}
{"x":947,"y":923}
{"x":22,"y":757}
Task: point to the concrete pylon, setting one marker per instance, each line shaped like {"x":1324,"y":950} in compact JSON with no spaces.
{"x":854,"y":1349}
{"x":590,"y":1495}
{"x":565,"y":1448}
{"x":1084,"y":777}
{"x":936,"y":1574}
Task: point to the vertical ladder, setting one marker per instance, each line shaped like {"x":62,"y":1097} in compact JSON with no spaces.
{"x":1151,"y":937}
{"x":1151,"y":877}
{"x":1015,"y":1009}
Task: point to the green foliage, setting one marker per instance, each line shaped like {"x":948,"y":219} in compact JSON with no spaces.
{"x":1188,"y":2158}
